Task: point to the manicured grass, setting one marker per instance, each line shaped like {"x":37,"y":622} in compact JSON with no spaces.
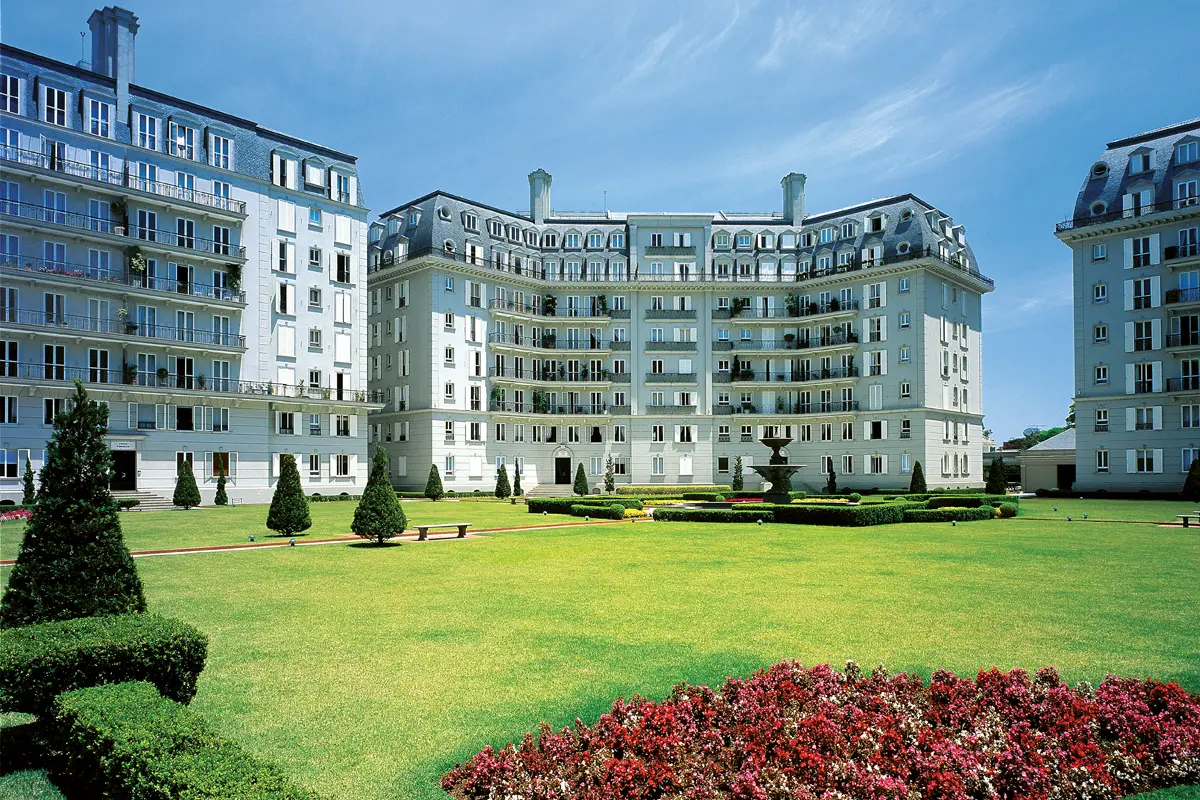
{"x":28,"y":784}
{"x":1141,"y":510}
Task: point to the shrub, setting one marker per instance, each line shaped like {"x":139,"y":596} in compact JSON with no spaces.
{"x":720,"y":498}
{"x":433,"y":487}
{"x":517,"y":491}
{"x":610,"y":476}
{"x":798,"y":495}
{"x":126,"y":740}
{"x":1008,"y":510}
{"x":660,"y":490}
{"x":703,"y":497}
{"x":379,"y":516}
{"x":840,"y":515}
{"x":187,"y":494}
{"x":738,"y":483}
{"x":818,"y":733}
{"x":28,"y":492}
{"x":996,"y":481}
{"x":635,"y":513}
{"x":581,"y":482}
{"x":614,"y":511}
{"x":221,"y":499}
{"x":917,"y":483}
{"x":949,"y":514}
{"x":127,"y":503}
{"x":38,"y":662}
{"x":503,"y":487}
{"x":954,"y":502}
{"x":562,"y":505}
{"x":854,"y":497}
{"x":317,"y":497}
{"x":711,"y":515}
{"x":289,"y":509}
{"x":831,"y":484}
{"x":1191,"y":484}
{"x":73,"y":561}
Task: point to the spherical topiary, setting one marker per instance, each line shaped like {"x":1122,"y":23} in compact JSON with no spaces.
{"x":1008,"y":510}
{"x":854,"y":497}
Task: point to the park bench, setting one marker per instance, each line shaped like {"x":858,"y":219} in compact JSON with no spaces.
{"x":1195,"y":515}
{"x":423,"y":530}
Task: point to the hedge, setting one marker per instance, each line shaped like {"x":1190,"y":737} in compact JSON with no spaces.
{"x":614,"y":511}
{"x":126,"y":740}
{"x":849,"y":516}
{"x":562,"y":505}
{"x":657,"y":490}
{"x":37,"y":662}
{"x":969,"y":500}
{"x":344,"y":497}
{"x":710,"y":515}
{"x":127,"y":503}
{"x":741,"y":495}
{"x":949,"y":514}
{"x":1007,"y":510}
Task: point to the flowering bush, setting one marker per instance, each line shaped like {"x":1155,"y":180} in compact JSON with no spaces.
{"x":20,"y":515}
{"x":817,"y":734}
{"x":635,"y":513}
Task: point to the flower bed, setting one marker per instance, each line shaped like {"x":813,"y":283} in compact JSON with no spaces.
{"x":796,"y":732}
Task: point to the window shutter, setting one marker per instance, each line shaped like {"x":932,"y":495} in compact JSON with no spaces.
{"x":883,"y":362}
{"x":133,"y":416}
{"x":1128,"y":299}
{"x":1130,"y":461}
{"x":1129,"y":379}
{"x":291,"y":257}
{"x":1155,"y":291}
{"x":287,"y":215}
{"x":1127,"y":202}
{"x":333,"y":176}
{"x":1130,"y":418}
{"x":233,"y":459}
{"x":1158,"y":418}
{"x":275,"y":168}
{"x":1155,"y":249}
{"x":866,"y":465}
{"x":208,"y":418}
{"x":883,"y":329}
{"x":866,"y":429}
{"x":1156,"y":334}
{"x":354,"y":425}
{"x":884,"y":465}
{"x":197,"y":418}
{"x":1156,"y":383}
{"x":1127,"y":245}
{"x":353,"y":190}
{"x":1128,"y":337}
{"x":172,"y":409}
{"x":883,"y":293}
{"x":291,"y":172}
{"x":883,"y":429}
{"x":208,"y":465}
{"x":160,"y":416}
{"x":1158,"y":465}
{"x":354,"y":465}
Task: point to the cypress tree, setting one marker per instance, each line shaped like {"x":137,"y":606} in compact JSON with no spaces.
{"x":831,"y":484}
{"x":289,"y":507}
{"x":1191,"y":484}
{"x":379,"y":515}
{"x":917,"y":484}
{"x":610,"y":477}
{"x":738,"y":483}
{"x":433,"y":489}
{"x":996,"y":482}
{"x":221,"y":499}
{"x":581,"y":481}
{"x":187,"y":494}
{"x":517,"y":490}
{"x":503,"y":489}
{"x":73,"y":561}
{"x":28,"y":493}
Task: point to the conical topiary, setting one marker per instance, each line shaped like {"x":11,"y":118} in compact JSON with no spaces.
{"x":1191,"y":484}
{"x":289,"y":507}
{"x":996,"y":482}
{"x":517,"y":490}
{"x":610,"y":477}
{"x":739,"y":482}
{"x":503,"y":489}
{"x":28,"y":492}
{"x":917,"y":484}
{"x":222,"y":499}
{"x":379,"y":515}
{"x":187,"y":494}
{"x":831,"y":484}
{"x":433,"y":487}
{"x":73,"y":561}
{"x":581,"y":481}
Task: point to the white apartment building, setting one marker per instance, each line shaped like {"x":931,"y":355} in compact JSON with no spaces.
{"x":1135,"y":258}
{"x":672,"y":342}
{"x":201,"y":274}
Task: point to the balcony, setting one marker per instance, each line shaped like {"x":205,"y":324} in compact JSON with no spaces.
{"x":670,"y":377}
{"x":558,"y":409}
{"x":1176,"y":252}
{"x":784,"y":407}
{"x":661,"y":250}
{"x":548,"y":342}
{"x":669,"y":409}
{"x":1184,"y":204}
{"x":104,"y":227}
{"x":529,"y":309}
{"x":562,"y":375}
{"x":670,"y":347}
{"x":1188,"y":384}
{"x":621,"y":377}
{"x":1174,"y":296}
{"x":1188,"y":339}
{"x":77,"y":324}
{"x":804,"y":343}
{"x":834,"y":306}
{"x":113,"y":278}
{"x":114,"y":179}
{"x":744,"y":376}
{"x":621,"y":346}
{"x":128,"y":379}
{"x":1101,"y":427}
{"x":670,"y":313}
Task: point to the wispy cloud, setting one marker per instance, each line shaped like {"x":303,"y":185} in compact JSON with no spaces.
{"x":646,"y":64}
{"x":838,"y":31}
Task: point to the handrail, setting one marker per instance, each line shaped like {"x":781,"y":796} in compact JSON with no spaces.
{"x":548,"y":342}
{"x":797,"y":344}
{"x":1182,"y":296}
{"x":549,"y":375}
{"x":1188,"y":384}
{"x":1128,"y":213}
{"x":828,"y":407}
{"x":540,"y":311}
{"x":545,"y":408}
{"x":809,"y":310}
{"x":1189,"y":339}
{"x":66,"y":269}
{"x":835,"y":373}
{"x":120,"y":327}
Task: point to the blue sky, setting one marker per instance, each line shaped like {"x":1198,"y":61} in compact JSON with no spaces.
{"x":992,"y":112}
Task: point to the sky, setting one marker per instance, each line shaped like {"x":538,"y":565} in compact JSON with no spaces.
{"x":992,"y":112}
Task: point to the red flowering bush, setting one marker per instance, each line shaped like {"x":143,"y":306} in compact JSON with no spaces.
{"x":817,"y":734}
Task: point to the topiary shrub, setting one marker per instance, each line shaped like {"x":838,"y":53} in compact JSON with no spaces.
{"x":28,"y":492}
{"x":840,"y":515}
{"x":719,"y":498}
{"x":289,"y":512}
{"x":916,"y":484}
{"x":516,"y":487}
{"x":73,"y":561}
{"x":378,"y":515}
{"x":610,"y":476}
{"x":126,"y":503}
{"x":738,"y":483}
{"x":1008,"y":510}
{"x":613,"y":511}
{"x":580,"y":486}
{"x":831,"y":483}
{"x":562,"y":505}
{"x":222,"y":499}
{"x":433,"y":487}
{"x":997,"y":483}
{"x":711,"y":515}
{"x":127,"y":740}
{"x":38,"y":662}
{"x":949,"y":514}
{"x":1191,"y":484}
{"x":187,"y":494}
{"x":854,"y":497}
{"x":503,"y":488}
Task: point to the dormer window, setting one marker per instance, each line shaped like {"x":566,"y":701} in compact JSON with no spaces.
{"x":847,"y":231}
{"x":617,"y":240}
{"x":743,"y":241}
{"x":826,"y":235}
{"x":496,"y":228}
{"x":766,"y":241}
{"x":470,"y":221}
{"x":807,"y":239}
{"x":531,"y":238}
{"x":571,"y":241}
{"x":787,"y":241}
{"x":514,"y":233}
{"x":721,"y":240}
{"x":1141,"y":162}
{"x":595,"y":240}
{"x":414,"y":216}
{"x":443,"y":213}
{"x":1099,"y":207}
{"x":1187,"y":152}
{"x":906,"y":215}
{"x":550,"y":239}
{"x":874,"y":224}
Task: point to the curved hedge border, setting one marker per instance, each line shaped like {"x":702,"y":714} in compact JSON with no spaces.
{"x":562,"y":505}
{"x":845,"y":516}
{"x":126,"y":740}
{"x":655,"y":490}
{"x":38,"y":662}
{"x":949,"y":514}
{"x":710,"y":515}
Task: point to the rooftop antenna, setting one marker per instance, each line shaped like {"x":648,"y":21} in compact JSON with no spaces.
{"x":605,"y":200}
{"x":82,"y":37}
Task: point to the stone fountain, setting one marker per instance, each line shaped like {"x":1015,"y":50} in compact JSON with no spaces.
{"x":777,"y":471}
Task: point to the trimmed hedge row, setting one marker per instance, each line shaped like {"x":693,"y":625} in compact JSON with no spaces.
{"x":709,"y":515}
{"x":656,"y":490}
{"x":614,"y":511}
{"x":344,"y":497}
{"x":846,"y":516}
{"x":562,"y":505}
{"x":949,"y":514}
{"x":126,"y":740}
{"x":740,"y":495}
{"x":37,"y":662}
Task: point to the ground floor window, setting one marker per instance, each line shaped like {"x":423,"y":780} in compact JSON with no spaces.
{"x":181,"y":457}
{"x":620,"y":466}
{"x":1101,"y":461}
{"x":449,"y":465}
{"x":342,"y":465}
{"x":314,"y":465}
{"x":220,"y":465}
{"x":1189,"y":454}
{"x":13,"y":465}
{"x":905,"y":462}
{"x":51,"y":407}
{"x":657,"y":466}
{"x":597,"y":465}
{"x":847,"y":465}
{"x":723,"y":463}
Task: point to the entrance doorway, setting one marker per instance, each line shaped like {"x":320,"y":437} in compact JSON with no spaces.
{"x":124,"y":477}
{"x":1066,"y":477}
{"x":562,"y":470}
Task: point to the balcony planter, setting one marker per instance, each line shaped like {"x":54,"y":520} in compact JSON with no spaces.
{"x":137,"y":261}
{"x":835,"y":304}
{"x":793,"y":305}
{"x":163,"y":374}
{"x":129,"y":374}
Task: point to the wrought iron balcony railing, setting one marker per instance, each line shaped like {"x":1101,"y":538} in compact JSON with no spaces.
{"x":1182,"y":296}
{"x":549,"y":342}
{"x":1128,"y":213}
{"x":1188,"y":339}
{"x":1190,"y":383}
{"x":120,"y":327}
{"x":802,"y":343}
{"x":785,"y":407}
{"x":546,"y":408}
{"x":563,"y":375}
{"x":42,"y":266}
{"x":542,"y":311}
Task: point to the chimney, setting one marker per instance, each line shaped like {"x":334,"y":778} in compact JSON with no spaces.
{"x":113,"y":30}
{"x":539,"y":195}
{"x":793,"y":197}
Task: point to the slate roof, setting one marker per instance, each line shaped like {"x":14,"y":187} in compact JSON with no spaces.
{"x":1062,"y":441}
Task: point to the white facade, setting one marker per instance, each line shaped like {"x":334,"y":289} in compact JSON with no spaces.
{"x":201,"y":274}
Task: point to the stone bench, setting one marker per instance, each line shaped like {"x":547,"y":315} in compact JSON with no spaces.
{"x":423,"y":530}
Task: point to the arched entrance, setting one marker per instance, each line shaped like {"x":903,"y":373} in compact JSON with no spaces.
{"x":562,"y":465}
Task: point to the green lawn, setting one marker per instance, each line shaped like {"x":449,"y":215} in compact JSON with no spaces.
{"x":367,"y":672}
{"x":1141,"y":510}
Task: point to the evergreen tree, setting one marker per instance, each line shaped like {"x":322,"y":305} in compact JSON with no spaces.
{"x":28,"y":494}
{"x":917,"y":484}
{"x":610,"y":477}
{"x":433,"y":489}
{"x":73,"y":561}
{"x":222,"y":499}
{"x":831,"y":484}
{"x":289,"y":507}
{"x":1191,"y":484}
{"x":503,"y":489}
{"x":187,"y":494}
{"x":581,"y":481}
{"x":738,"y":483}
{"x":517,"y":490}
{"x":379,"y":515}
{"x":996,"y":482}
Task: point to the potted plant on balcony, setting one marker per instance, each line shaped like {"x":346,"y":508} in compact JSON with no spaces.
{"x":201,"y":381}
{"x":233,"y":277}
{"x":562,"y":371}
{"x":163,"y":373}
{"x":548,"y":340}
{"x":739,"y":305}
{"x":119,"y":214}
{"x":835,"y":304}
{"x":792,"y":302}
{"x":814,"y":308}
{"x":583,"y":372}
{"x":129,"y":373}
{"x":137,"y":261}
{"x":549,"y":305}
{"x":789,"y":341}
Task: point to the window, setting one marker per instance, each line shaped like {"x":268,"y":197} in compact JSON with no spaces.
{"x":287,"y":422}
{"x":723,"y":463}
{"x":657,"y":466}
{"x":1100,"y":293}
{"x":905,"y":354}
{"x":55,"y":106}
{"x":1145,"y":461}
{"x":1140,"y":162}
{"x":1141,"y":293}
{"x":1189,"y":416}
{"x":571,"y":241}
{"x":617,"y":240}
{"x":905,"y":389}
{"x":98,"y":118}
{"x":448,"y":393}
{"x":314,"y":338}
{"x":1188,"y":455}
{"x":182,"y":141}
{"x":1101,"y":374}
{"x":448,"y":284}
{"x":657,"y":433}
{"x":1187,"y":152}
{"x":1100,"y":333}
{"x":905,"y":319}
{"x":826,"y":235}
{"x":847,"y":231}
{"x":1100,"y":252}
{"x":10,"y":94}
{"x":448,"y":320}
{"x":904,"y":286}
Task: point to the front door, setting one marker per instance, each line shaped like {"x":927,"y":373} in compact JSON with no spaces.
{"x":124,"y":476}
{"x":1066,"y":477}
{"x":562,"y":470}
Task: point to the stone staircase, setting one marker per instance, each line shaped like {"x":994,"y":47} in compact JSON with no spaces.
{"x":147,"y":501}
{"x":551,"y":490}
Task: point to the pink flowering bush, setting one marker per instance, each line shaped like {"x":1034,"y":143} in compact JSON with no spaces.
{"x":817,"y":734}
{"x":19,"y":515}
